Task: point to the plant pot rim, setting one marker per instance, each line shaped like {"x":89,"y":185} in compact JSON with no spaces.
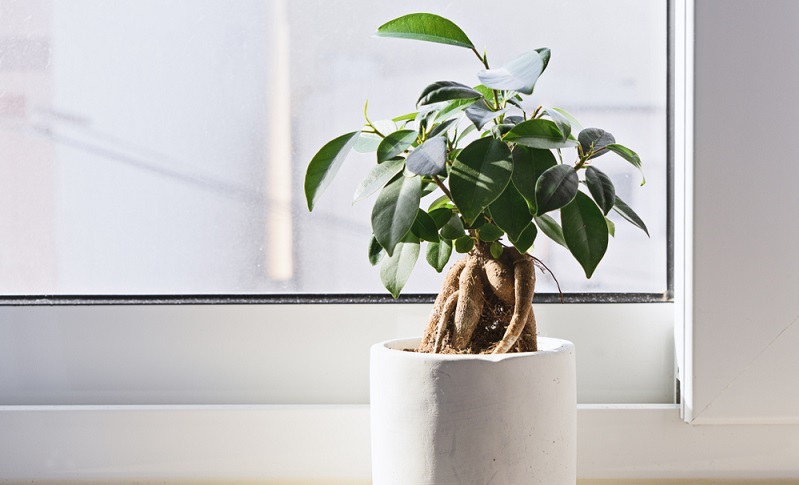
{"x":398,"y":347}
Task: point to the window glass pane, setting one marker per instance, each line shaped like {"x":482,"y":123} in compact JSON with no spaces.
{"x":160,"y":146}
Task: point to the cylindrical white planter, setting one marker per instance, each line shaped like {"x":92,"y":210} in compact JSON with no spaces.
{"x":473,"y":419}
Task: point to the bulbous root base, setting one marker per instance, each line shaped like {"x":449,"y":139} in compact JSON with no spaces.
{"x":485,"y":306}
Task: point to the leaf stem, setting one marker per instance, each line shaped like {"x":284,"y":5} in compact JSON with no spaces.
{"x":484,"y":60}
{"x":369,"y":122}
{"x":442,"y":186}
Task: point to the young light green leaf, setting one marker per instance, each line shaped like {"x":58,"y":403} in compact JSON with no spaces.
{"x":601,"y":188}
{"x":325,"y":164}
{"x":555,"y":188}
{"x":628,"y":155}
{"x":394,"y":144}
{"x":585,"y":232}
{"x":367,"y":143}
{"x":397,"y":268}
{"x":577,"y":127}
{"x":464,"y":244}
{"x":376,"y":252}
{"x":424,"y":227}
{"x":489,"y":233}
{"x":425,"y":27}
{"x":510,"y":212}
{"x":438,"y":254}
{"x":429,"y":158}
{"x":563,"y":123}
{"x":453,"y":229}
{"x":595,"y":139}
{"x":480,"y":113}
{"x":405,"y":117}
{"x":611,"y":227}
{"x":445,"y":91}
{"x":479,"y":175}
{"x":496,"y":249}
{"x":528,"y":165}
{"x":395,"y":210}
{"x":520,"y":74}
{"x":440,"y":202}
{"x":377,"y":178}
{"x":551,"y":229}
{"x":526,"y":239}
{"x":628,"y":214}
{"x":538,"y":133}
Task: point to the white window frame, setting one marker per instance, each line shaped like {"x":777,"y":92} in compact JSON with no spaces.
{"x":277,"y":443}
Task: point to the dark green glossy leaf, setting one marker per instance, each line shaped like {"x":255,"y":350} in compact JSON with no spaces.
{"x":377,"y":178}
{"x":496,"y":249}
{"x":395,"y":210}
{"x":442,"y":128}
{"x":395,"y":143}
{"x":325,"y":164}
{"x":585,"y":232}
{"x":428,"y":188}
{"x":453,"y":229}
{"x":438,"y":254}
{"x":528,"y":165}
{"x":551,"y":229}
{"x":464,"y":244}
{"x":513,"y":120}
{"x":376,"y":252}
{"x":595,"y":139}
{"x":426,"y":27}
{"x":563,"y":123}
{"x":498,"y":131}
{"x":628,"y":214}
{"x":480,"y":113}
{"x":440,"y":216}
{"x":538,"y":133}
{"x":628,"y":155}
{"x":510,"y":212}
{"x":397,"y":268}
{"x":601,"y":188}
{"x":526,"y":238}
{"x":489,"y":233}
{"x":520,"y":74}
{"x":446,"y":91}
{"x":477,"y":223}
{"x":424,"y":227}
{"x":555,"y":188}
{"x":429,"y":158}
{"x":481,"y":172}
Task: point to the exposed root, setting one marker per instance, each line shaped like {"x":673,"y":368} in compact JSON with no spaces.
{"x":449,"y":287}
{"x":443,"y":320}
{"x":470,"y":302}
{"x":500,"y":280}
{"x":524,"y":283}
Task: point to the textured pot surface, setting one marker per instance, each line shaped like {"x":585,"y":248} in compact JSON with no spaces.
{"x":467,"y":419}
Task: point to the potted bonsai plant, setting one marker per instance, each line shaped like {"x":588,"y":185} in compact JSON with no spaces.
{"x":480,"y":397}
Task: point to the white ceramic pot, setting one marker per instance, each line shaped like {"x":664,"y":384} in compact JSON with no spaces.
{"x":473,"y":419}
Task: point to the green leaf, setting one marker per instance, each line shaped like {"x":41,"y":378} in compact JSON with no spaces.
{"x":601,"y":188}
{"x":325,"y":164}
{"x":528,"y":165}
{"x":394,"y":144}
{"x":520,"y":74}
{"x":538,"y":133}
{"x":479,"y":175}
{"x":496,"y":249}
{"x":464,"y":244}
{"x":489,"y":233}
{"x":551,"y":229}
{"x":397,"y":268}
{"x":442,"y":201}
{"x":627,"y":213}
{"x":424,"y":227}
{"x":425,"y":27}
{"x":376,"y":252}
{"x":442,"y":128}
{"x":438,"y":254}
{"x":526,"y":238}
{"x":367,"y":143}
{"x":452,"y":109}
{"x":453,"y":229}
{"x":377,"y":178}
{"x":563,"y":123}
{"x":628,"y":155}
{"x":395,"y":210}
{"x":510,"y":212}
{"x":595,"y":139}
{"x":480,"y":113}
{"x":440,"y":216}
{"x":405,"y":117}
{"x":585,"y":232}
{"x":555,"y":188}
{"x":487,"y":92}
{"x":429,"y":158}
{"x":611,"y":227}
{"x":445,"y":91}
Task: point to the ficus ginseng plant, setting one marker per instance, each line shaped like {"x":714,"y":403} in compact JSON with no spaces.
{"x":502,"y":173}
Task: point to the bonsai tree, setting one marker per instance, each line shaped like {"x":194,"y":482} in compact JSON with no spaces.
{"x":502,"y":172}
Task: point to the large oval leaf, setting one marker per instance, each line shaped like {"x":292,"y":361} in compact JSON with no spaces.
{"x":628,"y":214}
{"x":424,"y":227}
{"x":377,"y":178}
{"x":325,"y":164}
{"x":555,"y":188}
{"x":426,"y":27}
{"x":585,"y":232}
{"x":445,"y":91}
{"x":551,"y":229}
{"x":538,"y":133}
{"x":394,"y":144}
{"x":595,"y":139}
{"x":526,"y":238}
{"x":429,"y":158}
{"x":397,"y":268}
{"x":453,"y":228}
{"x":438,"y":254}
{"x":520,"y":74}
{"x":510,"y":212}
{"x":628,"y":155}
{"x":528,"y":165}
{"x":395,"y":210}
{"x":479,"y":175}
{"x":601,"y":188}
